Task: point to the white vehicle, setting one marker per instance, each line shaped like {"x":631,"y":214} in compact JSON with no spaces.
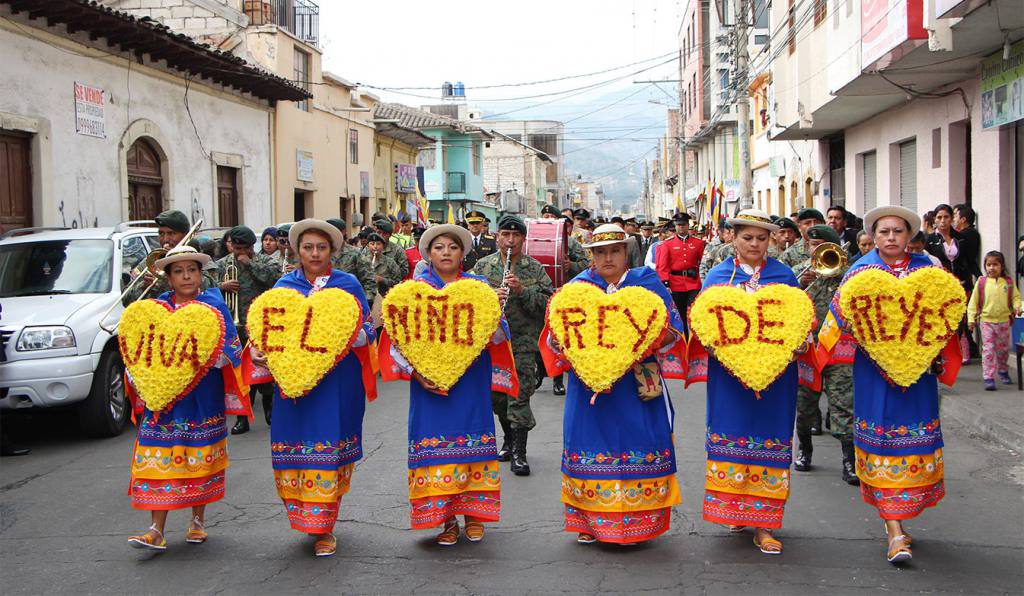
{"x":54,"y":286}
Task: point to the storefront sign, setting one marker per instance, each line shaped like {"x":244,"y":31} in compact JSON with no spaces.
{"x":303,"y":165}
{"x":405,"y":177}
{"x":887,"y":26}
{"x":89,"y":117}
{"x":364,"y":184}
{"x":1002,"y":87}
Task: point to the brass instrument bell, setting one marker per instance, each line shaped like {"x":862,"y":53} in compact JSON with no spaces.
{"x":828,"y":259}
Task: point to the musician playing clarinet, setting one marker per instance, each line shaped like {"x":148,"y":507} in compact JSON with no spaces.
{"x":526,"y":289}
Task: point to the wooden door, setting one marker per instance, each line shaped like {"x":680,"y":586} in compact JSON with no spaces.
{"x":227,"y":196}
{"x":145,"y":181}
{"x":15,"y":181}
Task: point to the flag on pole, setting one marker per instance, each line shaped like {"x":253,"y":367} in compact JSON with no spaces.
{"x":451,"y":213}
{"x":421,"y":207}
{"x":679,"y":201}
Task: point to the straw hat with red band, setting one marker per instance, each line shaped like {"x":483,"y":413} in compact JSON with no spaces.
{"x":606,"y":234}
{"x":755,"y":218}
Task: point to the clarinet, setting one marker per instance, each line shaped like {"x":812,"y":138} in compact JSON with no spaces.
{"x":505,"y":275}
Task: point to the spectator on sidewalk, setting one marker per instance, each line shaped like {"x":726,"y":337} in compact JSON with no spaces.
{"x":994,"y":302}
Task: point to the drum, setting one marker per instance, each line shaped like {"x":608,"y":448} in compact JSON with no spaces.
{"x":547,"y":240}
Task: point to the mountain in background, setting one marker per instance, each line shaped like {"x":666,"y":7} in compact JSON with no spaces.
{"x":607,"y":136}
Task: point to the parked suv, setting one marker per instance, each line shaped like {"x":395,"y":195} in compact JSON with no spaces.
{"x":54,"y":286}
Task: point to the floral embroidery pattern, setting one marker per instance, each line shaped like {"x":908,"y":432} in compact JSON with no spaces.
{"x":774,"y":449}
{"x":210,"y":429}
{"x":635,"y":526}
{"x":876,"y":434}
{"x":634,"y":462}
{"x":317,"y":452}
{"x":902,"y":503}
{"x":743,"y":510}
{"x":445,"y":447}
{"x":177,"y":492}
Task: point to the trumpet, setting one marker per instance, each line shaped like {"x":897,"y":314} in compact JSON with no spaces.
{"x":231,"y":298}
{"x":155,"y":255}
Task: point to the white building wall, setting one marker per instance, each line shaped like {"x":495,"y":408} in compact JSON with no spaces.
{"x":191,"y":17}
{"x":81,"y":180}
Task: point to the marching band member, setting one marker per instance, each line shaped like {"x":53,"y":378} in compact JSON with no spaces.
{"x":317,"y":438}
{"x":893,"y":424}
{"x":453,"y":456}
{"x":678,"y":264}
{"x":621,"y":441}
{"x":181,"y":456}
{"x":352,"y":260}
{"x":749,"y":437}
{"x":172,"y":226}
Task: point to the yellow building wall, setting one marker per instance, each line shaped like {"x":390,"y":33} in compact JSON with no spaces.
{"x":388,"y":153}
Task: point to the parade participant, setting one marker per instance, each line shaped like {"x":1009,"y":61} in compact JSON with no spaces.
{"x":172,"y":227}
{"x":749,"y":436}
{"x":837,"y":374}
{"x":994,"y":302}
{"x":483,"y":243}
{"x":788,"y":234}
{"x":403,"y":235}
{"x":385,"y":271}
{"x":865,"y":243}
{"x":316,"y":439}
{"x":647,"y":238}
{"x":944,"y":244}
{"x":567,"y":212}
{"x":581,"y":230}
{"x":529,"y":288}
{"x":180,"y":457}
{"x":664,"y":232}
{"x":268,"y":243}
{"x":460,"y":475}
{"x":252,"y":275}
{"x":618,"y":456}
{"x":838,"y":219}
{"x":725,"y":251}
{"x":678,"y":264}
{"x":796,"y":254}
{"x":970,"y":240}
{"x":893,"y":423}
{"x":412,"y":254}
{"x":384,"y":228}
{"x":723,"y":237}
{"x":288,"y":258}
{"x":577,"y":260}
{"x":636,"y":256}
{"x":352,"y":260}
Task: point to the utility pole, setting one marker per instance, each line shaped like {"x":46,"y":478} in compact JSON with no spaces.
{"x":743,"y":105}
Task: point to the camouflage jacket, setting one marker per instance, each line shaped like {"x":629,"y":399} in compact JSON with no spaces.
{"x":525,"y":311}
{"x":795,"y":254}
{"x":253,"y":279}
{"x":352,"y":260}
{"x":579,"y":259}
{"x":821,"y":290}
{"x":707,"y":260}
{"x":386,"y":267}
{"x":397,"y":254}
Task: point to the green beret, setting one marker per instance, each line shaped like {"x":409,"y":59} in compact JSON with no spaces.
{"x":384,"y":226}
{"x":511,"y":222}
{"x":338,"y":223}
{"x":283,"y":229}
{"x":242,"y":235}
{"x":549,"y":209}
{"x":809,"y":213}
{"x":823,"y":232}
{"x":788,"y":224}
{"x":174,"y":219}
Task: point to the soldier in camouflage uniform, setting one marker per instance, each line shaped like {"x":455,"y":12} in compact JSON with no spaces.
{"x":171,"y":229}
{"x":798,"y":253}
{"x":529,"y":289}
{"x":352,"y":260}
{"x":385,"y":270}
{"x":393,"y":251}
{"x":724,"y":241}
{"x":257,"y":273}
{"x":836,"y":379}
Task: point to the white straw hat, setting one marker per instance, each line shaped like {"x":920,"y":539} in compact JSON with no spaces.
{"x":182,"y":253}
{"x":606,"y":234}
{"x":298,"y":228}
{"x":913,"y":219}
{"x":753,"y":217}
{"x":464,"y":236}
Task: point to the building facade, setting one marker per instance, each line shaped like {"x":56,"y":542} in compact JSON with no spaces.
{"x":107,"y":118}
{"x":547,"y":137}
{"x":512,"y":165}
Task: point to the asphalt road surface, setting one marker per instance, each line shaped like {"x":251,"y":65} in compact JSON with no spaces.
{"x":64,"y":517}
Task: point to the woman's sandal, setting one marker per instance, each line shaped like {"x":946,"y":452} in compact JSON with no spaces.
{"x":325,"y":545}
{"x":769,"y":545}
{"x":585,"y":538}
{"x":196,"y":533}
{"x":474,"y":531}
{"x":900,"y":553}
{"x":450,"y":535}
{"x":153,"y":539}
{"x":907,"y":538}
{"x":736,"y":529}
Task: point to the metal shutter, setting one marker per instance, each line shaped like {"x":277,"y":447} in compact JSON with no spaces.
{"x":870,"y":182}
{"x":908,"y":175}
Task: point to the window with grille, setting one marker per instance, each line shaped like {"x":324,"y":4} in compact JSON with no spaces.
{"x":427,"y":158}
{"x":820,"y":11}
{"x":301,"y":76}
{"x":870,"y":181}
{"x":353,"y":146}
{"x":908,"y":174}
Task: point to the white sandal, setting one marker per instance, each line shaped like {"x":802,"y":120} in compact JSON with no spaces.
{"x":144,"y":541}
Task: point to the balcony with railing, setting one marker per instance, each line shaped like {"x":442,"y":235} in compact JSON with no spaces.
{"x":300,"y":17}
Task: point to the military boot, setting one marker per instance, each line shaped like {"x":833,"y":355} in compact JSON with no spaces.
{"x":802,"y":461}
{"x":505,"y":453}
{"x":558,"y":385}
{"x":849,"y":464}
{"x":520,"y":467}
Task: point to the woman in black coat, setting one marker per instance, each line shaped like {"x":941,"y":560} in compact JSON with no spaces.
{"x":947,"y":245}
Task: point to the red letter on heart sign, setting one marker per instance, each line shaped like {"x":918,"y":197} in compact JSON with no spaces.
{"x":723,"y":334}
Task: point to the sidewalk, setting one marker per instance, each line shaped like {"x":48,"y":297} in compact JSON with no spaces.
{"x":997,"y":416}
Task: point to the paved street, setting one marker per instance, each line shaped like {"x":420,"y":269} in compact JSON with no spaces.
{"x":64,"y":517}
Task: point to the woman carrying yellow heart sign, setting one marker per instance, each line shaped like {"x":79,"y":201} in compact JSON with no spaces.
{"x":181,"y":352}
{"x":903,"y":312}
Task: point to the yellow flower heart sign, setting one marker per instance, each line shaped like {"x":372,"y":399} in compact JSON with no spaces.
{"x":303,"y":337}
{"x":902,"y":324}
{"x":753,"y":335}
{"x":168,"y":352}
{"x":604,"y":335}
{"x":441,"y":332}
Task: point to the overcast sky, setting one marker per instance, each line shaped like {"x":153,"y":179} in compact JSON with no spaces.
{"x":405,"y":43}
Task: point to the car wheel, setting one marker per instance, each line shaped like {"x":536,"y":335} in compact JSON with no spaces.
{"x":105,"y":412}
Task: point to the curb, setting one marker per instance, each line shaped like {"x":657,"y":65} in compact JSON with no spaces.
{"x":988,"y":427}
